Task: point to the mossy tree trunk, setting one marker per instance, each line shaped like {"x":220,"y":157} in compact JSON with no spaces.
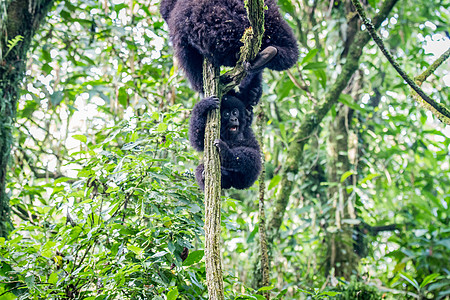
{"x":22,"y":18}
{"x":340,"y":256}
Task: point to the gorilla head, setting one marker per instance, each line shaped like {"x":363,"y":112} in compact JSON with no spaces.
{"x":233,"y":121}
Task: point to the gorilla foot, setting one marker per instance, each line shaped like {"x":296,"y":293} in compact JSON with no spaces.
{"x":262,"y":59}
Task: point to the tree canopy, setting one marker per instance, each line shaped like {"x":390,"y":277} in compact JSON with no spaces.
{"x":98,"y":198}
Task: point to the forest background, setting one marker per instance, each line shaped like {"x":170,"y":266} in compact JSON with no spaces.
{"x":97,"y":197}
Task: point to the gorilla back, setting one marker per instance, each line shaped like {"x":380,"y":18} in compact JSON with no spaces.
{"x":214,"y":28}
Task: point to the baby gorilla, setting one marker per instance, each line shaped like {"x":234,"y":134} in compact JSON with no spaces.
{"x":214,"y":28}
{"x":239,"y":150}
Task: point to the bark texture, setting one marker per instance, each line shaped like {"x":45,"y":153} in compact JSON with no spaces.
{"x":20,"y":23}
{"x":262,"y":214}
{"x":340,"y":256}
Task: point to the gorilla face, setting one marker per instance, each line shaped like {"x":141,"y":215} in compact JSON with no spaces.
{"x":232,"y":121}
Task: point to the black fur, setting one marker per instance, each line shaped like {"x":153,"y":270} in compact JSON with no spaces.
{"x":238,"y":148}
{"x":214,"y":28}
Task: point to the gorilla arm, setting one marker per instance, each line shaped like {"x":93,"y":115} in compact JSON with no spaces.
{"x":198,"y":121}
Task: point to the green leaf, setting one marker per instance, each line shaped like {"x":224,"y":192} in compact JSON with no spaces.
{"x":131,"y":145}
{"x":53,"y":278}
{"x":79,"y":137}
{"x":252,"y":234}
{"x":274,"y":181}
{"x":194,"y":257}
{"x":429,"y":279}
{"x":162,"y":127}
{"x":138,"y":251}
{"x":155,"y":116}
{"x":171,"y":246}
{"x":309,"y":56}
{"x":410,"y":280}
{"x":159,"y":254}
{"x":445,"y":242}
{"x":315,"y":66}
{"x":85,"y":173}
{"x":370,"y":177}
{"x":284,"y":88}
{"x":30,"y":281}
{"x":47,"y":69}
{"x":321,"y":77}
{"x":123,"y":97}
{"x":56,"y":98}
{"x":329,"y":293}
{"x":281,"y":294}
{"x":399,"y":266}
{"x":350,"y":102}
{"x":287,"y":6}
{"x":282,"y":131}
{"x":173,"y":294}
{"x":346,"y":175}
{"x":61,"y":179}
{"x":266,"y":288}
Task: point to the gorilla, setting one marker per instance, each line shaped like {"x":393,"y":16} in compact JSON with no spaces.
{"x":214,"y":28}
{"x":238,"y":148}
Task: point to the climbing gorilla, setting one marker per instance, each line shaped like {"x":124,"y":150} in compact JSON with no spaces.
{"x":238,"y":148}
{"x":214,"y":28}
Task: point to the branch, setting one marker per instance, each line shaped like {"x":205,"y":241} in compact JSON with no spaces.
{"x":441,"y":111}
{"x":422,"y":77}
{"x":252,"y":42}
{"x":375,"y":230}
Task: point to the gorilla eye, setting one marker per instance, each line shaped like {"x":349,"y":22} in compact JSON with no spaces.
{"x":226,"y":114}
{"x":235,"y":112}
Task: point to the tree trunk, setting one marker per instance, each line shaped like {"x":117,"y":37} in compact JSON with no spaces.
{"x":340,"y":256}
{"x":22,"y":19}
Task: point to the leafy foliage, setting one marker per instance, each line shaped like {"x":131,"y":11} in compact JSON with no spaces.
{"x":117,"y":229}
{"x":101,"y":186}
